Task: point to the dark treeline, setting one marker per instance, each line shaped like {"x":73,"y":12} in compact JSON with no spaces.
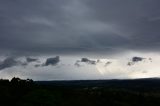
{"x":20,"y":92}
{"x":15,"y":80}
{"x":12,"y":90}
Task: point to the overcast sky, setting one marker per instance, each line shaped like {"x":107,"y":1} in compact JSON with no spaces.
{"x":76,"y":29}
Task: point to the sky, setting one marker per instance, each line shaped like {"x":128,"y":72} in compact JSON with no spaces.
{"x":79,"y":39}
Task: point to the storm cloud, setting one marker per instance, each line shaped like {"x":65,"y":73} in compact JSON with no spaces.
{"x":52,"y":61}
{"x":76,"y":26}
{"x":9,"y":62}
{"x":107,"y":32}
{"x":85,"y":60}
{"x":29,"y":59}
{"x":137,"y":59}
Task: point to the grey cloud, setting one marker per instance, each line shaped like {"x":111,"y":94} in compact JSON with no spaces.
{"x":107,"y":63}
{"x":9,"y":62}
{"x":132,"y":20}
{"x":75,"y":26}
{"x":85,"y":60}
{"x":136,"y":59}
{"x":28,"y":59}
{"x":52,"y":61}
{"x":150,"y":59}
{"x":77,"y":63}
{"x":37,"y":65}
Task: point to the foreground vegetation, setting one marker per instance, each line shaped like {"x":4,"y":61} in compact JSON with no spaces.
{"x":19,"y":92}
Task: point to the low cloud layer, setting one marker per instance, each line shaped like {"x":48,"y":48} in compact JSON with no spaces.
{"x":50,"y":67}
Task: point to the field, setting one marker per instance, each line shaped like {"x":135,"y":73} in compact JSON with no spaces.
{"x":140,"y":92}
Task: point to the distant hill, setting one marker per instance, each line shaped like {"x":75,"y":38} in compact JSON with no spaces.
{"x":145,"y":82}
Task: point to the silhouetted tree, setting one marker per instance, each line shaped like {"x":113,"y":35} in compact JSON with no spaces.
{"x":15,"y":80}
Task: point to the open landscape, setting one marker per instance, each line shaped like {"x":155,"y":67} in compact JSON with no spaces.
{"x":138,"y":92}
{"x":79,"y":52}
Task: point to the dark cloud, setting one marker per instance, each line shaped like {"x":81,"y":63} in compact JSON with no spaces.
{"x":52,"y":61}
{"x":8,"y":62}
{"x":75,"y":26}
{"x":11,"y":61}
{"x":37,"y":65}
{"x":77,"y":63}
{"x":136,"y":59}
{"x":107,"y":63}
{"x":150,"y":59}
{"x":28,"y":59}
{"x":85,"y":60}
